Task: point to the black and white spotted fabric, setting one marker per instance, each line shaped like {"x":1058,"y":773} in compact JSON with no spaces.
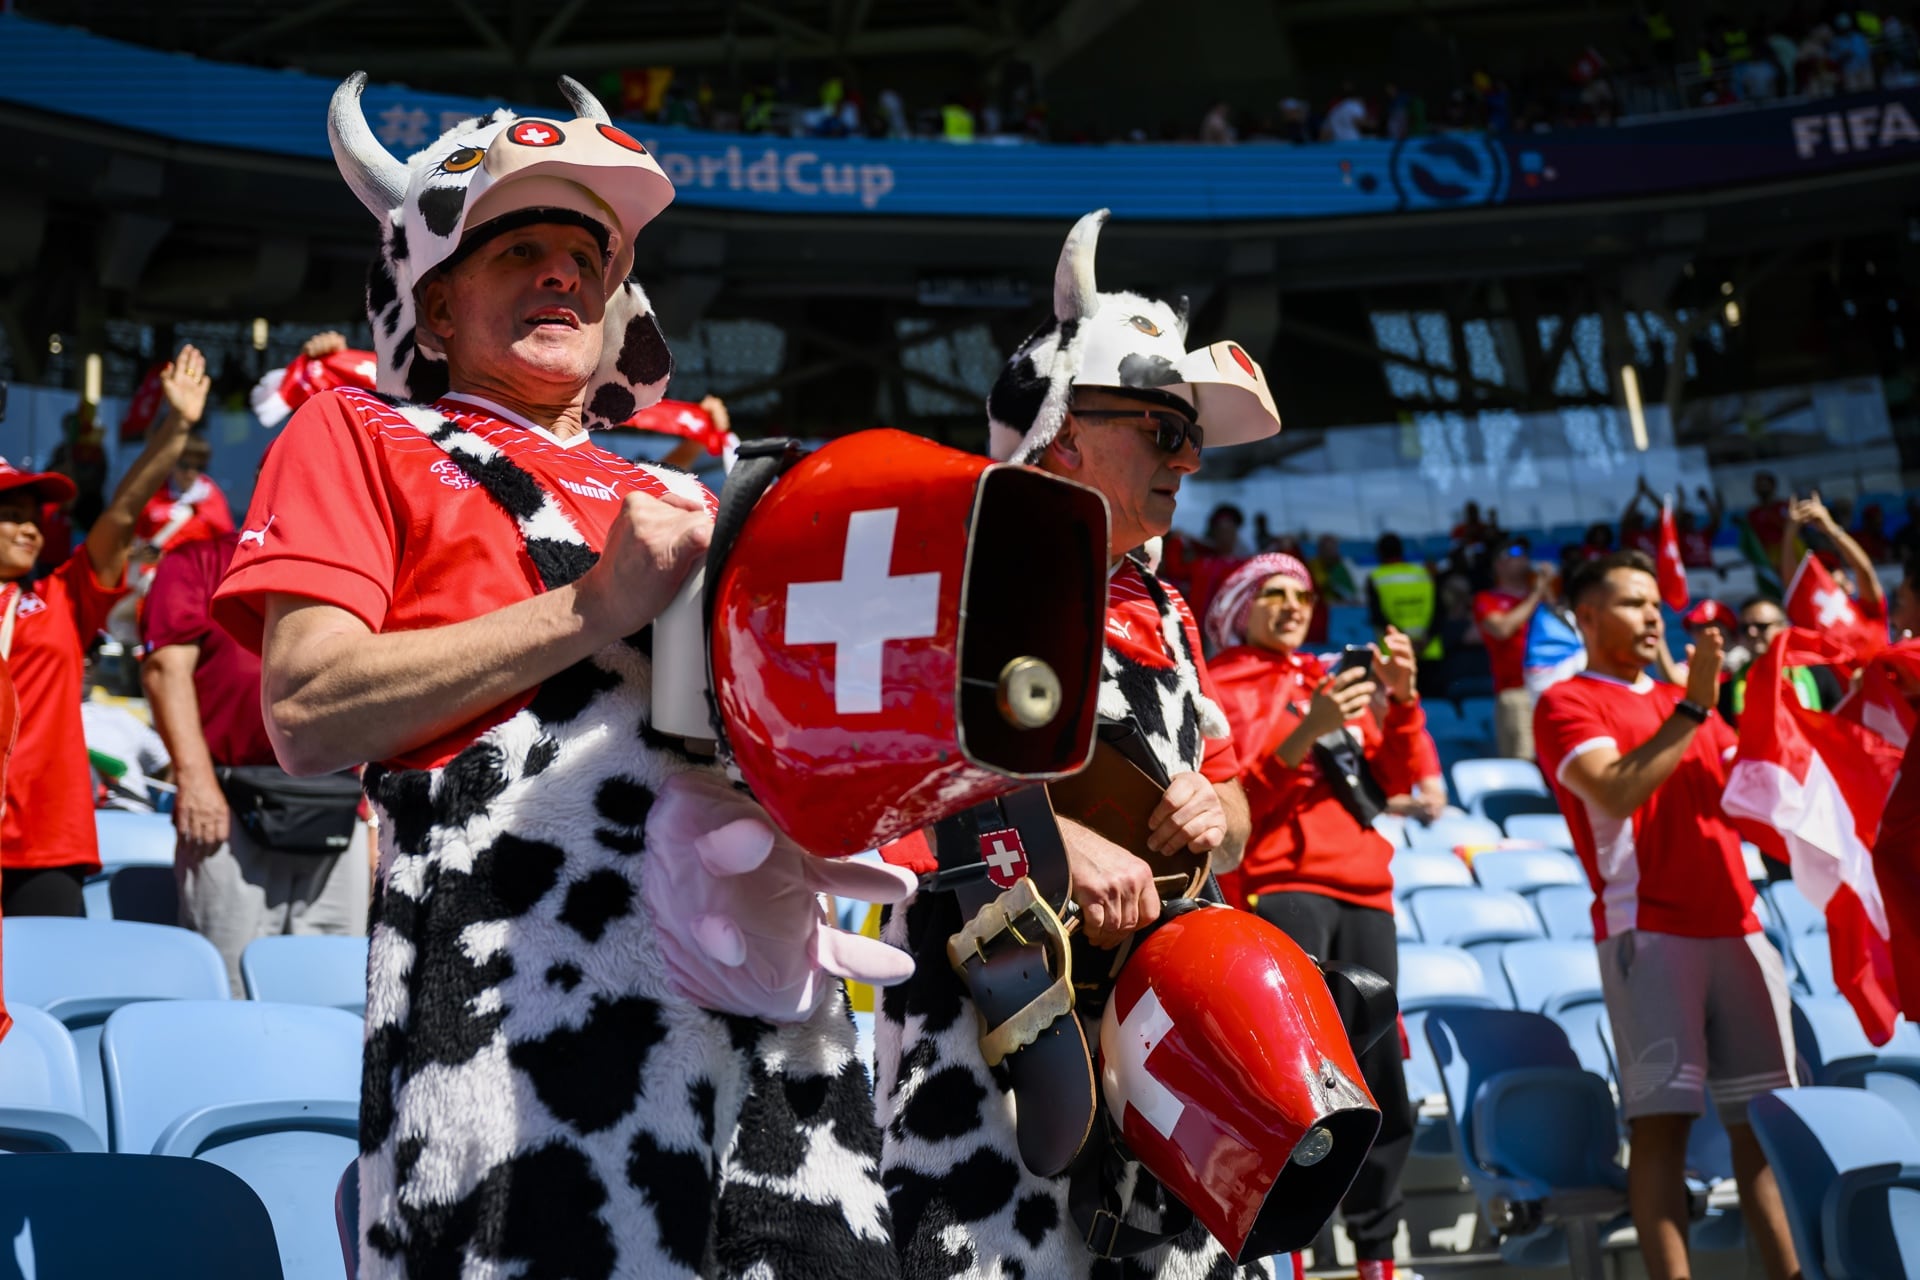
{"x":537,"y":1103}
{"x":963,"y":1203}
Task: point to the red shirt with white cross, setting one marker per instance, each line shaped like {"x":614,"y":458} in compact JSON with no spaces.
{"x":356,"y":508}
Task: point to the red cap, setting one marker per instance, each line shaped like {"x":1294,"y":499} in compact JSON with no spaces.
{"x":53,"y":486}
{"x":1708,"y":612}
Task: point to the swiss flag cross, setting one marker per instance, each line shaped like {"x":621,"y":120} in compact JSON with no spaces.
{"x":1672,"y":569}
{"x":1005,"y":856}
{"x":1816,"y":602}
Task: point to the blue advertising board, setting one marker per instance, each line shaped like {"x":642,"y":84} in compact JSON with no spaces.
{"x":69,"y":72}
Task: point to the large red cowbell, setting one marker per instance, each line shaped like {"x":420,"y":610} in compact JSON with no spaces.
{"x":863,"y":621}
{"x":1226,"y":1065}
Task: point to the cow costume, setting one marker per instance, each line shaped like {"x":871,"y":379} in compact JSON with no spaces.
{"x":965,"y":1201}
{"x":541,"y":1097}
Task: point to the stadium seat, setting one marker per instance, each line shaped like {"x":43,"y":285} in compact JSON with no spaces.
{"x":1480,"y":920}
{"x":1433,"y":977}
{"x":1524,"y":870}
{"x":1392,"y":828}
{"x":268,"y":1091}
{"x":1404,"y":929}
{"x":1566,"y":910}
{"x":133,"y":839}
{"x":1471,"y":778}
{"x":155,"y":1217}
{"x":1415,"y":869}
{"x":42,"y":1104}
{"x":149,"y":895}
{"x":1502,"y":805}
{"x":1536,"y":1133}
{"x":307,"y":970}
{"x":1546,"y":975}
{"x":1449,"y":830}
{"x":82,"y":970}
{"x":1829,"y":1037}
{"x":1547,"y":828}
{"x":1795,"y":914}
{"x":1478,"y":712}
{"x":1848,"y":1168}
{"x":1812,"y":967}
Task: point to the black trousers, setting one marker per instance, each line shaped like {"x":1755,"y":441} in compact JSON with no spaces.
{"x":42,"y":891}
{"x":1329,"y":929}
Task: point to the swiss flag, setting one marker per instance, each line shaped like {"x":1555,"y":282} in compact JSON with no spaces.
{"x":689,"y":422}
{"x":1672,"y":568}
{"x":280,"y":392}
{"x":1809,"y":789}
{"x":145,"y":407}
{"x":1815,"y":601}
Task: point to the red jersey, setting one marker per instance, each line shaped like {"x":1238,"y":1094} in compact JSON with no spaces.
{"x":1675,"y":866}
{"x":1303,"y":837}
{"x":1133,"y":628}
{"x":49,"y":792}
{"x":1696,"y":549}
{"x":356,"y":508}
{"x":174,"y":519}
{"x":1508,"y":657}
{"x":1768,"y":520}
{"x":226,"y":679}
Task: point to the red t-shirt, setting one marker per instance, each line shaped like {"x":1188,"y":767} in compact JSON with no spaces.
{"x":357,"y":509}
{"x":1303,"y":837}
{"x":49,"y":795}
{"x":194,"y":516}
{"x":1509,"y":656}
{"x":1133,"y":628}
{"x":1696,"y":549}
{"x":1769,"y":524}
{"x":226,"y":679}
{"x":1675,"y":866}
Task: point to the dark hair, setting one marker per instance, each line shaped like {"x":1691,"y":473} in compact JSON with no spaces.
{"x":1751,"y":601}
{"x":1516,"y":542}
{"x":1226,"y":509}
{"x":1389,"y":547}
{"x":196,"y":452}
{"x":1588,"y":577}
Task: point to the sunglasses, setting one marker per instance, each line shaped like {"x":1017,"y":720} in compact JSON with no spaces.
{"x":1305,"y":595}
{"x":1171,"y":430}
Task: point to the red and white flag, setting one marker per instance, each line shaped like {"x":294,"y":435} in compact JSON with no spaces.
{"x":1809,"y":790}
{"x":281,"y":391}
{"x":1815,"y":601}
{"x":1672,"y":568}
{"x":689,"y":422}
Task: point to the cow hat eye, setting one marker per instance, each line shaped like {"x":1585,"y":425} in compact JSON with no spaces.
{"x":462,"y":160}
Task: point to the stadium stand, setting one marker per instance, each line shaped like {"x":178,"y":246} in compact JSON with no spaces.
{"x":149,"y":895}
{"x":1479,"y":920}
{"x":1450,"y":830}
{"x":1561,"y":980}
{"x":1474,"y":778}
{"x":1848,"y":1166}
{"x":42,"y":1102}
{"x":1416,"y":869}
{"x":1521,"y":870}
{"x":1547,"y":828}
{"x":270,"y":1092}
{"x":292,"y":969}
{"x":1566,"y":910}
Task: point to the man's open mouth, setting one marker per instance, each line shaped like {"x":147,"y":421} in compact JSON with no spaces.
{"x":561,"y":316}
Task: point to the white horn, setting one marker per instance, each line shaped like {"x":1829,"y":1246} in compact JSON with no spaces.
{"x":1073,"y":289}
{"x":584,"y":103}
{"x":375,"y":176}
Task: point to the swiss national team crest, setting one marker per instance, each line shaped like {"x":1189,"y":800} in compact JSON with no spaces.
{"x":880,"y":628}
{"x":1005,"y":856}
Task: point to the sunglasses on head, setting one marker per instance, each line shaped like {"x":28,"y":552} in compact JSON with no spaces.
{"x":1171,"y":428}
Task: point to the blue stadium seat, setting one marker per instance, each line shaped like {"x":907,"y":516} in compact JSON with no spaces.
{"x":133,"y":839}
{"x":268,"y":1091}
{"x":1524,"y":870}
{"x":1812,"y":969}
{"x":1480,"y":920}
{"x":307,"y":970}
{"x":1448,"y":830}
{"x":1547,"y":828}
{"x":1473,"y":777}
{"x":1566,"y":910}
{"x":1536,"y":1134}
{"x":148,"y":894}
{"x":1848,"y":1167}
{"x":1829,"y":1037}
{"x":1798,"y":916}
{"x":1392,"y":828}
{"x":1404,"y":929}
{"x":1502,"y":805}
{"x":42,"y":1104}
{"x":82,"y":970}
{"x":155,"y":1217}
{"x":1546,"y":975}
{"x":1414,"y":869}
{"x":1430,"y":978}
{"x":1479,"y":713}
{"x":1347,"y":624}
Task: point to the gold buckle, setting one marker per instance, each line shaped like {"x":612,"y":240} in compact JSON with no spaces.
{"x":992,"y":920}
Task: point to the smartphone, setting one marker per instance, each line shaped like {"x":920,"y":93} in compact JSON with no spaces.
{"x":1355,"y":655}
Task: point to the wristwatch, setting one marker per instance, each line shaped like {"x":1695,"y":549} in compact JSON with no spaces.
{"x":1692,"y":710}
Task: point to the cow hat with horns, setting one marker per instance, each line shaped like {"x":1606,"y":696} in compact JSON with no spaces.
{"x":1127,"y":342}
{"x":488,"y":174}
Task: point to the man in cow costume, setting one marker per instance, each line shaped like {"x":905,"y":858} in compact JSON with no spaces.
{"x":449,"y":581}
{"x":1105,"y":393}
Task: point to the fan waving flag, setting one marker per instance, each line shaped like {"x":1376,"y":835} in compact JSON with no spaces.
{"x":1672,"y":568}
{"x":1806,"y":788}
{"x":280,"y":392}
{"x":1815,"y":601}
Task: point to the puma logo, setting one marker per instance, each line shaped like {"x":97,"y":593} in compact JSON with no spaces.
{"x":257,"y":536}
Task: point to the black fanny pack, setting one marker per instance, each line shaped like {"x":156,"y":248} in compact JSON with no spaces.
{"x":1344,"y":766}
{"x":292,"y":815}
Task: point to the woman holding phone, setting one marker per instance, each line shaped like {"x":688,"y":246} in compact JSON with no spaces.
{"x":1317,"y":767}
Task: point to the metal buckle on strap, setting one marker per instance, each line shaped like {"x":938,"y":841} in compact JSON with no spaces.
{"x":1003,"y":918}
{"x":1103,"y":1233}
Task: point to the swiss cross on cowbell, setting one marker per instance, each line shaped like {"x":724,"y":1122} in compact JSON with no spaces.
{"x":1125,"y":1046}
{"x":861,"y":610}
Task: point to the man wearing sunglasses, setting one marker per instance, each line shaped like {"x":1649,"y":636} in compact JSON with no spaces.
{"x":1105,"y":393}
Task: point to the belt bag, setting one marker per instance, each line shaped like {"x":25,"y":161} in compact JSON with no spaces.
{"x":292,"y":815}
{"x":1344,"y":766}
